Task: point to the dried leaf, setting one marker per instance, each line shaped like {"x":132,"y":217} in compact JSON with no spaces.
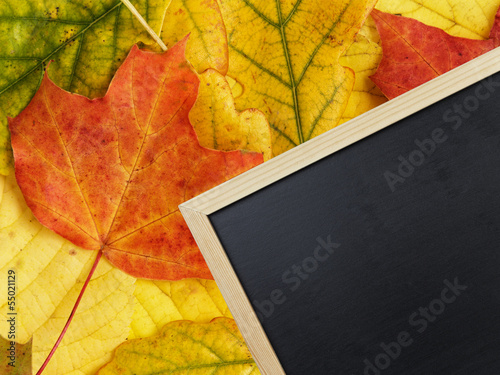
{"x":217,"y":123}
{"x":202,"y":19}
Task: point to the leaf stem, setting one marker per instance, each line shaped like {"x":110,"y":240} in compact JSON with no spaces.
{"x":143,"y":22}
{"x":70,"y":318}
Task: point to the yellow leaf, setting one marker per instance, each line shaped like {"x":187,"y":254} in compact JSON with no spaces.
{"x":87,"y":40}
{"x":36,"y":254}
{"x":363,"y":57}
{"x":285,"y":55}
{"x":160,"y":302}
{"x":218,"y":124}
{"x":236,"y":88}
{"x":207,"y":45}
{"x":184,"y":347}
{"x":113,"y":307}
{"x":463,"y":18}
{"x":100,"y":323}
{"x":369,"y":31}
{"x":214,"y":117}
{"x":50,"y":272}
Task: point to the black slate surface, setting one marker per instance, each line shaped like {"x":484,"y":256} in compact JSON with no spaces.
{"x":397,"y":251}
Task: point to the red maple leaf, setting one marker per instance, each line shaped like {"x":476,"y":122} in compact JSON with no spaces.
{"x":414,"y":53}
{"x":108,"y":174}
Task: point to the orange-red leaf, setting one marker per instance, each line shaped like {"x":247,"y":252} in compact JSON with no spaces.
{"x":414,"y":53}
{"x":109,"y":173}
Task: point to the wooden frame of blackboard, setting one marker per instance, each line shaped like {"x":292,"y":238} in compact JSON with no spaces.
{"x":197,"y":210}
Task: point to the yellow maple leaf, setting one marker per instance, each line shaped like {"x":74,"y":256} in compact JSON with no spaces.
{"x":185,"y":347}
{"x":463,"y":18}
{"x":214,"y":117}
{"x":285,"y":55}
{"x":99,"y":325}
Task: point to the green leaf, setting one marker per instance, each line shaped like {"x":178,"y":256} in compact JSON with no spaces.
{"x":87,"y":41}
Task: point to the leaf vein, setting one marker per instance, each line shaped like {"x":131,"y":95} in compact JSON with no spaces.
{"x":260,"y":66}
{"x":293,"y":85}
{"x":283,"y":134}
{"x":71,"y":164}
{"x":144,"y":137}
{"x":292,"y":12}
{"x":261,"y":15}
{"x":75,"y":63}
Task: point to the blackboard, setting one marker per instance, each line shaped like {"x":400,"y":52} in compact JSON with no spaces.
{"x":372,"y":249}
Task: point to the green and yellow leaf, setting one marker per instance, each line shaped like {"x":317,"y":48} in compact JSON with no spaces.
{"x":285,"y":55}
{"x":5,"y":149}
{"x":217,"y":123}
{"x":87,"y":41}
{"x":183,"y":348}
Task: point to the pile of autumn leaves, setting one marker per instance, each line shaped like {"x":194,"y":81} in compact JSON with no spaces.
{"x":108,"y":174}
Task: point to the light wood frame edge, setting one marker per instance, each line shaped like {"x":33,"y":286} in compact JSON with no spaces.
{"x":233,"y":292}
{"x":197,"y":210}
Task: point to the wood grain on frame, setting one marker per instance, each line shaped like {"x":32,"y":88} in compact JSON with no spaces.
{"x":233,"y":292}
{"x":197,"y":210}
